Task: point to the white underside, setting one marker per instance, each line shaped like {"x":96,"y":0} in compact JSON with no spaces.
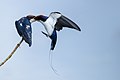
{"x":49,"y":29}
{"x":49,"y":24}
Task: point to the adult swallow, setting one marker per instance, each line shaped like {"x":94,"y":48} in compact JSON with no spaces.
{"x":55,"y":22}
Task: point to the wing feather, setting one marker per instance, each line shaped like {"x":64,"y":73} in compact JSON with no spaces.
{"x":65,"y":22}
{"x":24,"y":29}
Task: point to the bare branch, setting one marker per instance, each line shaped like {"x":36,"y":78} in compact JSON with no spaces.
{"x":12,"y":52}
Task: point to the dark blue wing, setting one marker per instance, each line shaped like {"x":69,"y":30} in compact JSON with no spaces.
{"x":18,"y":27}
{"x":28,"y":31}
{"x":24,"y":29}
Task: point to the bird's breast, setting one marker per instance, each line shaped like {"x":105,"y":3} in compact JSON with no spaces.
{"x":48,"y":27}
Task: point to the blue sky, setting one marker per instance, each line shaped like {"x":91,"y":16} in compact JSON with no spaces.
{"x":92,"y":54}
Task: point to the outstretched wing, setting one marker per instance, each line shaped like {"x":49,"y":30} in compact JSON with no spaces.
{"x":65,"y":22}
{"x":24,"y":29}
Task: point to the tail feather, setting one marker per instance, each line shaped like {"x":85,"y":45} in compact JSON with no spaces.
{"x":51,"y":64}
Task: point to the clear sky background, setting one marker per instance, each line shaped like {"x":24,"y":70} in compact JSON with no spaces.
{"x":92,"y":54}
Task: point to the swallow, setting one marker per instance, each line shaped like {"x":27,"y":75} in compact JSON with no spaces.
{"x":55,"y":22}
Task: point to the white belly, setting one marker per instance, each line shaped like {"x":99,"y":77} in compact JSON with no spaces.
{"x":49,"y":28}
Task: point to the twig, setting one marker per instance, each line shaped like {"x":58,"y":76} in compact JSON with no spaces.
{"x":12,"y":52}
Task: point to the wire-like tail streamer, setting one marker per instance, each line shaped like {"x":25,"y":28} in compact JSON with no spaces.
{"x":12,"y":53}
{"x":51,"y":65}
